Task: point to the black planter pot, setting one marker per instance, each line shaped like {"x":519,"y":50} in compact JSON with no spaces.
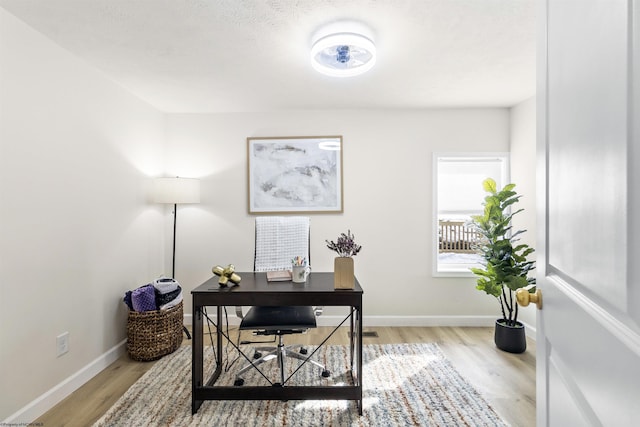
{"x":511,"y":339}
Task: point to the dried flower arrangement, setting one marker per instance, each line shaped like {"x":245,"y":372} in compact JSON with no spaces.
{"x":345,"y":245}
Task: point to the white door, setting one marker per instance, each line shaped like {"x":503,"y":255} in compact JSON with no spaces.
{"x":588,"y":342}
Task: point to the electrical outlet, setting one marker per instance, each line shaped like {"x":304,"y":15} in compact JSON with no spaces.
{"x":62,"y":344}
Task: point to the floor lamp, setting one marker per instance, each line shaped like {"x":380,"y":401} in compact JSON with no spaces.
{"x":176,"y":191}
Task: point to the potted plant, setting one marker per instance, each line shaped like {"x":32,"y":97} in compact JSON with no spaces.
{"x":346,"y":248}
{"x":506,"y":267}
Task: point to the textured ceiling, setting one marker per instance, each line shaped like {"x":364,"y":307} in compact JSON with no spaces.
{"x":253,"y":55}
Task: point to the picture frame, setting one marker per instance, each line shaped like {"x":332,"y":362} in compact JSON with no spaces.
{"x":294,"y":174}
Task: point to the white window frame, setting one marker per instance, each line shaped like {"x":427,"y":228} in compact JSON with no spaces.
{"x":505,"y":156}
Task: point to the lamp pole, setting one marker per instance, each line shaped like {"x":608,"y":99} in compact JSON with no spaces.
{"x":176,"y":191}
{"x":173,"y":262}
{"x":175,"y":220}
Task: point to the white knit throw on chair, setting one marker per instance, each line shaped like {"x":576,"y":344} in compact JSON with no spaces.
{"x":279,"y":240}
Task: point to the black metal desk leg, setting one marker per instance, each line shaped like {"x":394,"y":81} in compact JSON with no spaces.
{"x":196,"y":357}
{"x":219,"y":336}
{"x":352,"y":332}
{"x":359,"y":362}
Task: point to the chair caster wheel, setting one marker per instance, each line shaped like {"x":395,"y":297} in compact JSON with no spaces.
{"x":238,"y":382}
{"x":257,"y":355}
{"x":326,"y":374}
{"x":303,"y":350}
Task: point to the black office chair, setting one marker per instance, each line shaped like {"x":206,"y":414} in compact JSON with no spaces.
{"x":278,"y":241}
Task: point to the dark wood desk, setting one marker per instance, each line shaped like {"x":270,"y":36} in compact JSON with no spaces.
{"x":255,"y":290}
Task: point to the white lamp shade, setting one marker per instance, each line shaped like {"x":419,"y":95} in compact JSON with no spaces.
{"x":176,"y":190}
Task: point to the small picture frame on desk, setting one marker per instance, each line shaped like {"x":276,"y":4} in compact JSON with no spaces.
{"x":295,"y":174}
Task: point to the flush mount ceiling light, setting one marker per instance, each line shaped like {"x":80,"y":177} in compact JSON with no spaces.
{"x":343,"y":54}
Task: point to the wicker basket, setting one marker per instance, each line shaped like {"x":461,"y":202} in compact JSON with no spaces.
{"x":153,"y":334}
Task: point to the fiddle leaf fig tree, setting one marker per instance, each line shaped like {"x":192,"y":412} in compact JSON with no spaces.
{"x":506,"y":268}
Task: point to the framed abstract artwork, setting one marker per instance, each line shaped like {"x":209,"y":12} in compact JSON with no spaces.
{"x":295,"y":174}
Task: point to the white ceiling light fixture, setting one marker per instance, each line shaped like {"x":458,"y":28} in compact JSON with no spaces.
{"x":343,"y":53}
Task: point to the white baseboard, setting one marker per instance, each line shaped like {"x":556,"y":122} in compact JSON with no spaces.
{"x":54,"y":396}
{"x":400,"y":321}
{"x":51,"y":398}
{"x":529,"y":330}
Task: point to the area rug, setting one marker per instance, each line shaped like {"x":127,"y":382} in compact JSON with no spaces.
{"x":403,"y":385}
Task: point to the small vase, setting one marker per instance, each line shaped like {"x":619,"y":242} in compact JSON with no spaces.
{"x":511,"y":339}
{"x":343,"y":277}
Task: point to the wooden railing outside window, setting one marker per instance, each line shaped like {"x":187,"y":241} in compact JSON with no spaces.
{"x":455,"y":237}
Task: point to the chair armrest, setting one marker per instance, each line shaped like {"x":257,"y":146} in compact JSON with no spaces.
{"x":239,"y":312}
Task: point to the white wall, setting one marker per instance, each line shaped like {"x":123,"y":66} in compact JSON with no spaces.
{"x":523,"y":174}
{"x":387,"y":192}
{"x":76,"y":230}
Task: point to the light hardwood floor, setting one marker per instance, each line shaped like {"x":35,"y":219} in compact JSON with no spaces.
{"x":507,"y":381}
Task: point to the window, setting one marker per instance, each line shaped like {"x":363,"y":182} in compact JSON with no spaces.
{"x":458,"y":195}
